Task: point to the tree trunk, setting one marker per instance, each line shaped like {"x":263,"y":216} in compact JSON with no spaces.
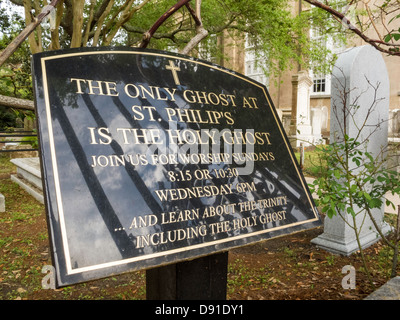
{"x":78,"y":5}
{"x":16,"y":103}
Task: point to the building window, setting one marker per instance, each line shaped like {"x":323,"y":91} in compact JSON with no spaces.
{"x":208,"y":49}
{"x":254,"y":63}
{"x":319,"y":85}
{"x":255,"y":71}
{"x":321,"y":82}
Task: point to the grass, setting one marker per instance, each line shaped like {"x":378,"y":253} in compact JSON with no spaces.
{"x":6,"y":167}
{"x":241,"y":277}
{"x":313,"y":164}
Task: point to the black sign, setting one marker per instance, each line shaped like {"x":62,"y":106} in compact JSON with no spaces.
{"x":150,"y":158}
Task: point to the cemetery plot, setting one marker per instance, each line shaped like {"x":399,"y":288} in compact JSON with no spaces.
{"x":150,"y":158}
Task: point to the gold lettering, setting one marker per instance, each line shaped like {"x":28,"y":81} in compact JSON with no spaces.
{"x":172,"y":94}
{"x":213,"y":98}
{"x":78,"y":84}
{"x":129,"y":92}
{"x":91,"y":87}
{"x":184,"y":215}
{"x":246,"y":103}
{"x":192,"y":95}
{"x":194,"y":192}
{"x":111,"y":86}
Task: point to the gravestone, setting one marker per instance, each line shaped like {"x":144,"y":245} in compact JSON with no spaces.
{"x":156,"y":160}
{"x":317,"y":123}
{"x":357,"y":71}
{"x":29,"y":176}
{"x":301,"y":128}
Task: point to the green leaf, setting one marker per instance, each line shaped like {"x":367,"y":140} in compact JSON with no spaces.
{"x":330,"y":213}
{"x":369,"y":156}
{"x":387,"y":37}
{"x":350,"y":210}
{"x":381,"y":179}
{"x":395,"y":36}
{"x":390,"y":203}
{"x":375,"y":203}
{"x":326,"y":199}
{"x":396,"y":17}
{"x":367,"y":196}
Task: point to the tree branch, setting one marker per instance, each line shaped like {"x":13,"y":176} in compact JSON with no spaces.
{"x":18,"y":2}
{"x":126,"y":14}
{"x":89,"y":23}
{"x":103,"y":7}
{"x":201,"y":32}
{"x":373,"y":42}
{"x":77,"y":8}
{"x":149,"y":34}
{"x":55,"y":36}
{"x":16,"y":103}
{"x":158,"y":35}
{"x":100,"y":22}
{"x":26,"y":32}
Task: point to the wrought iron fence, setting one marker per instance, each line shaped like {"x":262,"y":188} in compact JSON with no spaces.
{"x":17,"y":137}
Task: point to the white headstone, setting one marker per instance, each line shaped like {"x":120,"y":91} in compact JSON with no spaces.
{"x":302,"y":124}
{"x":317,"y":122}
{"x":356,"y":72}
{"x":394,"y":123}
{"x":325,"y":118}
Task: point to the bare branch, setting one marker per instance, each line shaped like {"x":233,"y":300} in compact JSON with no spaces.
{"x":201,"y":33}
{"x":55,"y":36}
{"x":16,"y":103}
{"x":149,"y":34}
{"x":371,"y":18}
{"x":100,"y":22}
{"x":89,"y":23}
{"x":126,"y":14}
{"x":196,"y":15}
{"x":26,"y":32}
{"x":373,"y":42}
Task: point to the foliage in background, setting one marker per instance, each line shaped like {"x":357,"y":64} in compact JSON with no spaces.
{"x":7,"y":118}
{"x":15,"y":75}
{"x":273,"y":27}
{"x":375,"y":22}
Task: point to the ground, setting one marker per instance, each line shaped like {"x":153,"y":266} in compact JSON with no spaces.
{"x":285,"y":268}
